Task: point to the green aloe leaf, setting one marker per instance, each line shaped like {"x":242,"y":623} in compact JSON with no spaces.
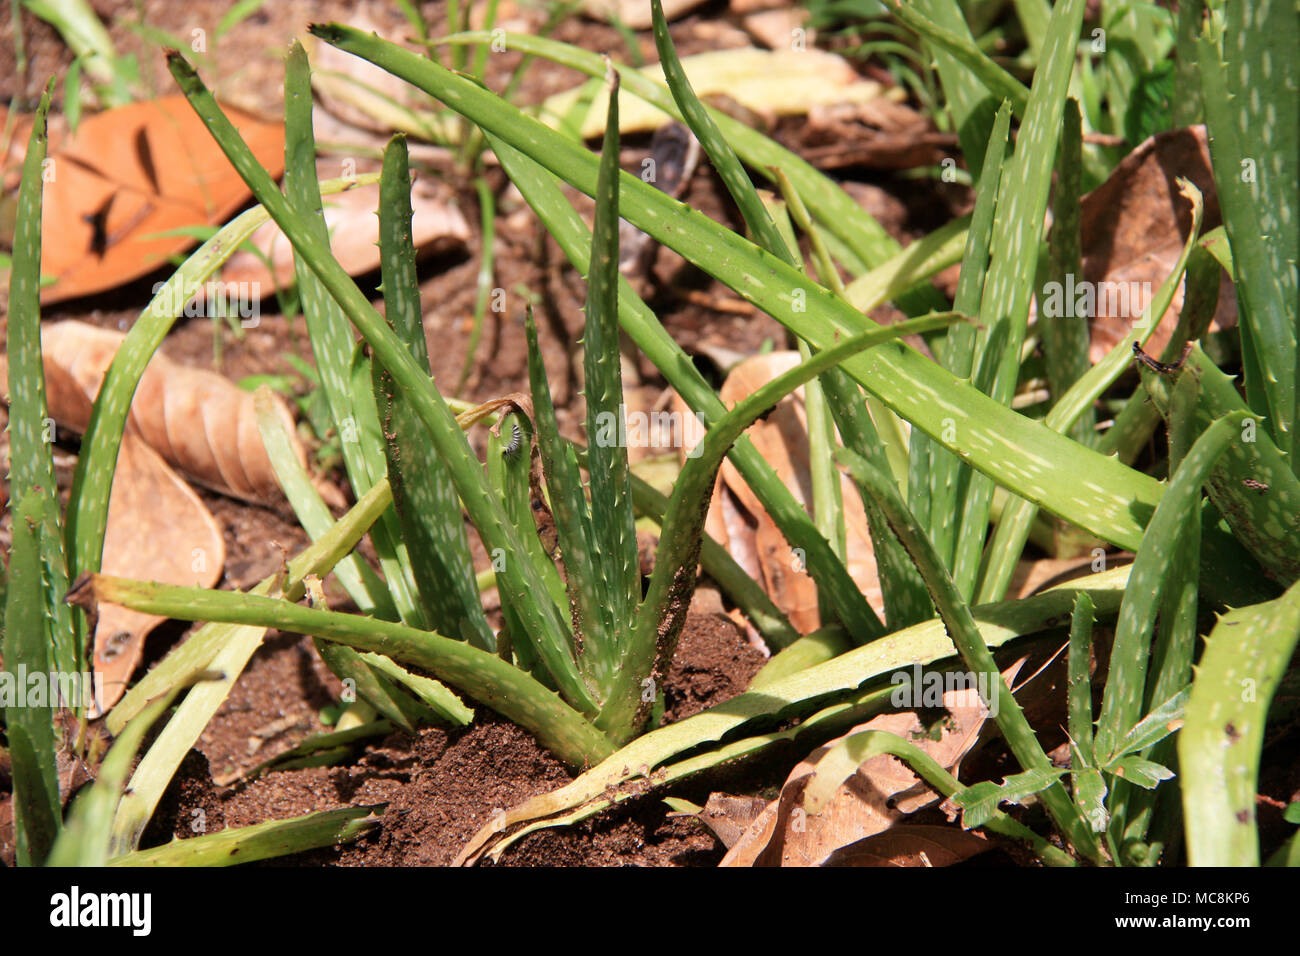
{"x":1122,"y":705}
{"x":1251,"y":485}
{"x":1001,"y":84}
{"x":1251,"y":90}
{"x":261,"y":841}
{"x":1017,"y":229}
{"x":39,"y":636}
{"x":967,"y":99}
{"x":332,"y":342}
{"x":424,"y":499}
{"x":1219,"y":747}
{"x":483,"y":676}
{"x":30,"y":729}
{"x":573,"y":526}
{"x":948,"y":476}
{"x":613,"y":522}
{"x":1066,"y":336}
{"x":562,"y":222}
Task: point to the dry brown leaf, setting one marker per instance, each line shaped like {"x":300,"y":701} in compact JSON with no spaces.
{"x":911,"y":845}
{"x":158,"y":530}
{"x":354,"y":234}
{"x":636,"y":13}
{"x":776,"y":29}
{"x":1133,"y":227}
{"x":729,"y":817}
{"x":129,"y":174}
{"x":879,"y":794}
{"x":737,"y":518}
{"x":200,"y":422}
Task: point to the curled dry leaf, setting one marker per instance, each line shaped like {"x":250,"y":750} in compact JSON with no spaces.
{"x":200,"y":422}
{"x":354,"y":234}
{"x":1132,"y":228}
{"x":738,"y":520}
{"x":129,"y":174}
{"x":874,"y":799}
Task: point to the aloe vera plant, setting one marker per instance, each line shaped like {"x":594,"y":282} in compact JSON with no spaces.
{"x":582,"y":656}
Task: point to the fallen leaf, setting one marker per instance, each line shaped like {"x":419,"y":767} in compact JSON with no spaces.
{"x":636,"y":13}
{"x":200,"y":422}
{"x":354,"y":236}
{"x":737,"y":518}
{"x":130,"y":173}
{"x":911,"y":845}
{"x":776,"y":29}
{"x":769,"y":82}
{"x":794,"y":830}
{"x":729,"y":817}
{"x":1132,"y":229}
{"x":158,"y":530}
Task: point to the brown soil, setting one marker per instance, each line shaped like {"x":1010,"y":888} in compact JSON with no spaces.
{"x":439,"y":786}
